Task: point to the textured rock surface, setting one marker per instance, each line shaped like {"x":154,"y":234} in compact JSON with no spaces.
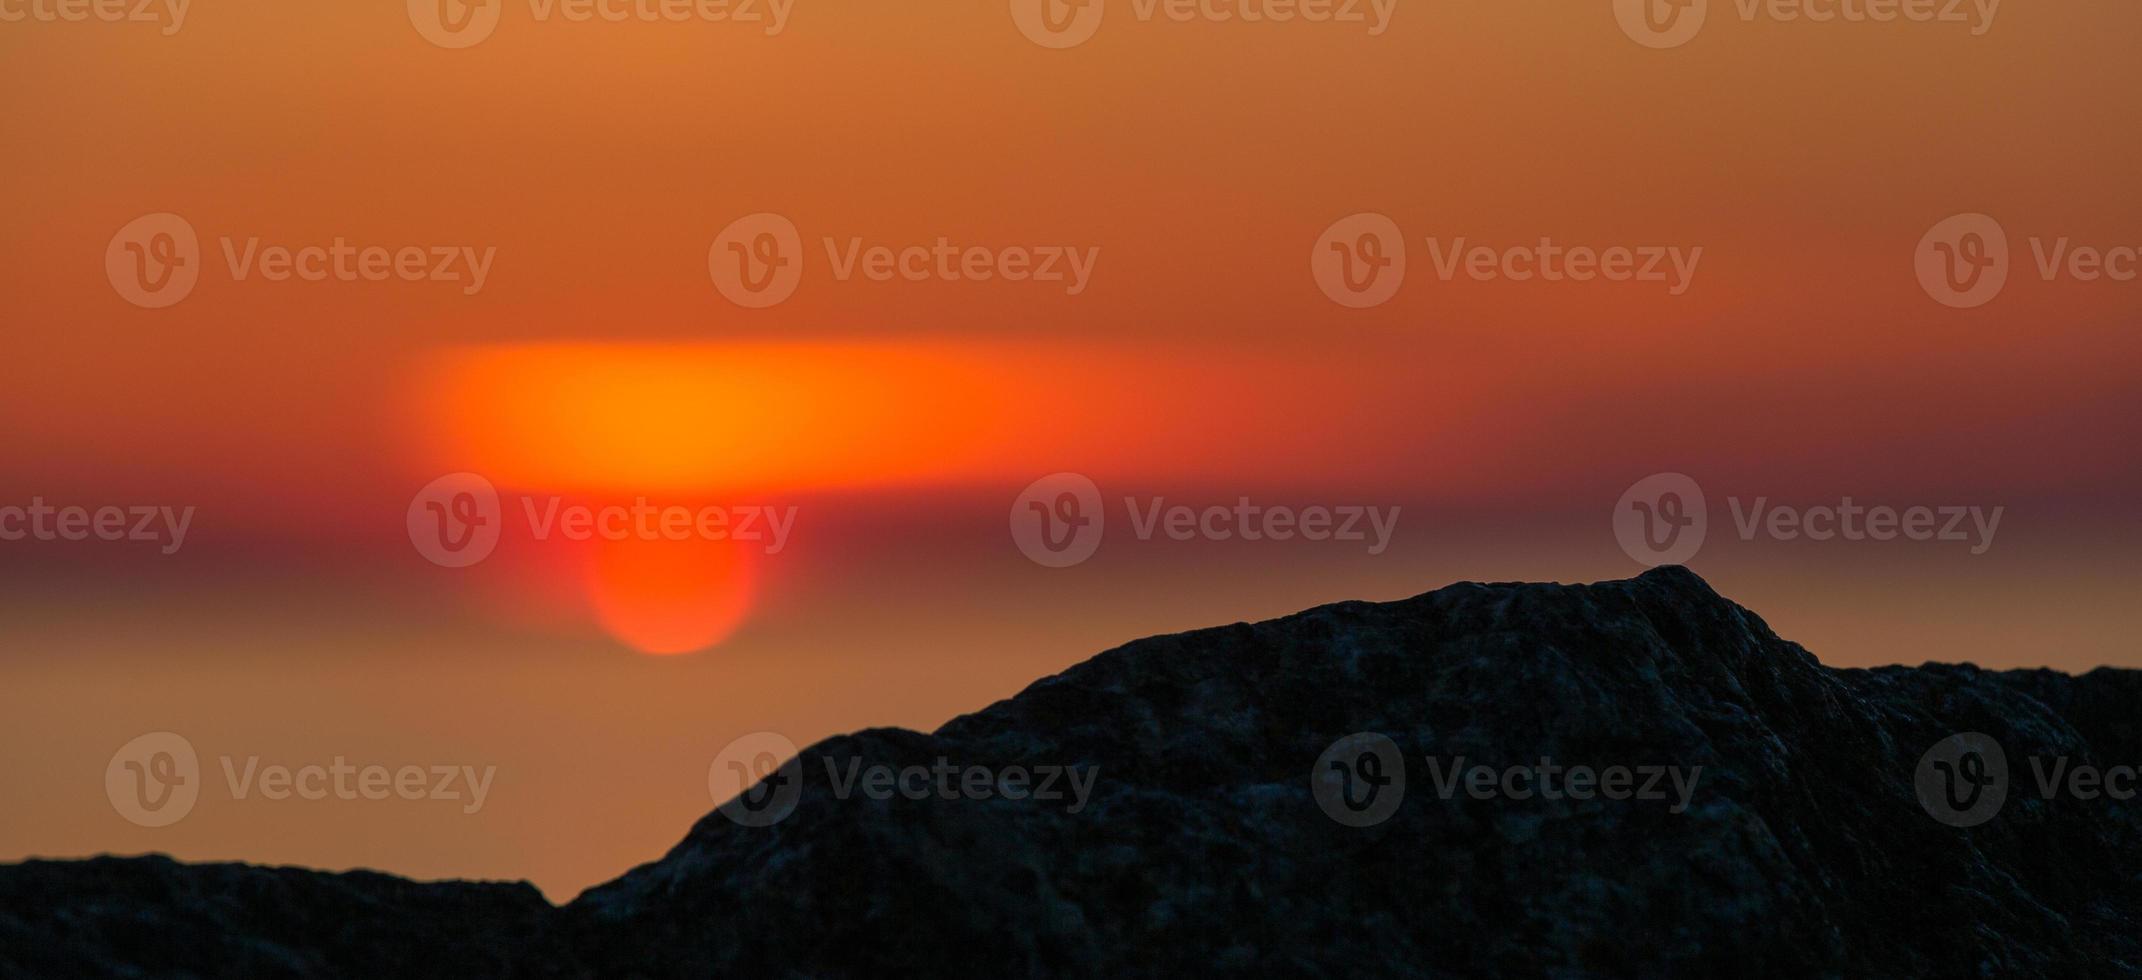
{"x":1803,"y":852}
{"x":154,"y":917}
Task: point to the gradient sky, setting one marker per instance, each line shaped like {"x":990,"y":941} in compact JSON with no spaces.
{"x":1203,"y":160}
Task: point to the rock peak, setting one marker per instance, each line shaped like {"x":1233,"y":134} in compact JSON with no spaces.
{"x":1788,"y":838}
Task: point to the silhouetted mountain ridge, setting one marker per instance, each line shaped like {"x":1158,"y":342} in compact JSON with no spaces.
{"x":1798,"y":849}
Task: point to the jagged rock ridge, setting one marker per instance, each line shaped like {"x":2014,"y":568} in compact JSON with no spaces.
{"x":1802,"y":850}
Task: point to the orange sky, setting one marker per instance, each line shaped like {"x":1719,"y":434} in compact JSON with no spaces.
{"x":1201,"y":160}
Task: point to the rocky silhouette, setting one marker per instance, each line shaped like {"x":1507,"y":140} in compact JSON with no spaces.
{"x":1774,"y":818}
